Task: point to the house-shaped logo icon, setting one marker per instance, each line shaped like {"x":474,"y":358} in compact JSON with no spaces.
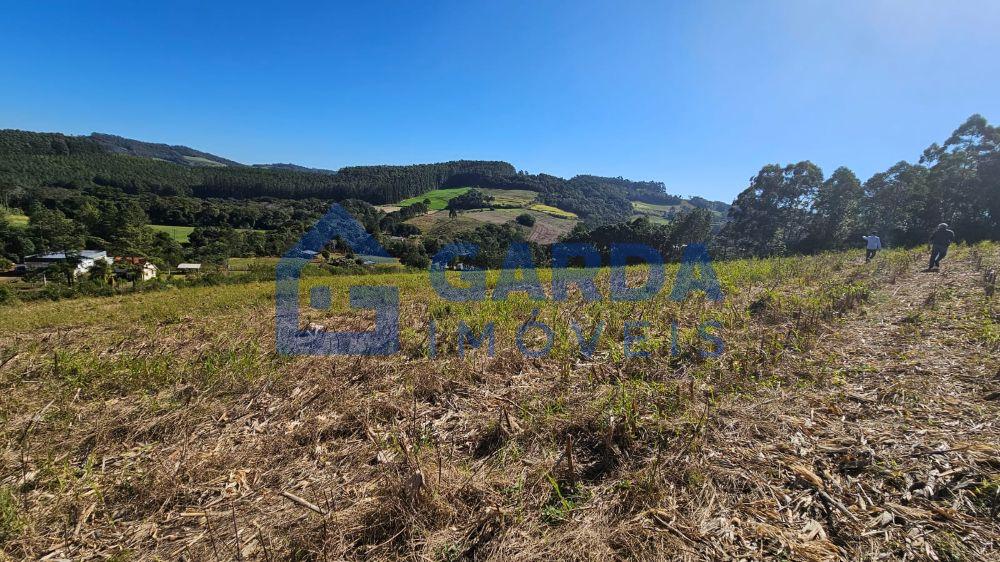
{"x":291,"y":339}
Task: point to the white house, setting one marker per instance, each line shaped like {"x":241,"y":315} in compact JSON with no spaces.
{"x":143,"y":269}
{"x":85,"y":259}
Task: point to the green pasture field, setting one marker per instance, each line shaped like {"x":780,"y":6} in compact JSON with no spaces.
{"x":246,"y":264}
{"x":439,"y":198}
{"x":18,"y":221}
{"x":178,"y":233}
{"x":182,"y":233}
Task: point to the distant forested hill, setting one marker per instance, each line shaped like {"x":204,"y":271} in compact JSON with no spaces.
{"x":176,"y":154}
{"x":294,"y":168}
{"x":14,"y":142}
{"x":30,"y":160}
{"x":26,"y":143}
{"x":373,"y":184}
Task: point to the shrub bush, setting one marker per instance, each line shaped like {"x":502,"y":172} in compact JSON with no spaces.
{"x":7,"y":295}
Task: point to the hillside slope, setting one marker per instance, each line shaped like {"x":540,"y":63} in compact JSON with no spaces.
{"x":37,"y":160}
{"x":853,"y":415}
{"x":177,"y":154}
{"x":504,"y":206}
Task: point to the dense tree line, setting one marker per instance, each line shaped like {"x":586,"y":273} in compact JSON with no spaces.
{"x":392,"y":223}
{"x":715,"y":206}
{"x":20,"y":172}
{"x":646,"y":191}
{"x":375,"y":184}
{"x":29,"y":160}
{"x":793,"y":208}
{"x":216,"y":244}
{"x":688,"y":227}
{"x":493,"y":242}
{"x":178,"y":154}
{"x":263,"y":214}
{"x":116,"y":226}
{"x":14,"y":142}
{"x":472,"y":199}
{"x":109,"y":219}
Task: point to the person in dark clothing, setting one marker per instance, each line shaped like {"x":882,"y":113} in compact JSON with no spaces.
{"x":940,"y":240}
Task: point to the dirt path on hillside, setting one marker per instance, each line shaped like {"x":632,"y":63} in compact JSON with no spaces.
{"x":896,"y":452}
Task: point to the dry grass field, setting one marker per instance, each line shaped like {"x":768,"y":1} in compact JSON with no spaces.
{"x":853,"y":414}
{"x":548,"y":228}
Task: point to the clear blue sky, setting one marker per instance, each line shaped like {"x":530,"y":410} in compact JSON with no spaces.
{"x":698,"y":95}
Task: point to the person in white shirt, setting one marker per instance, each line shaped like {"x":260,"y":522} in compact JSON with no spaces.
{"x":874,"y":245}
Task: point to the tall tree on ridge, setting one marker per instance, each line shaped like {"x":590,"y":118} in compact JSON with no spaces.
{"x":964,"y":180}
{"x":835,"y":224}
{"x":895,"y":202}
{"x":773,"y":215}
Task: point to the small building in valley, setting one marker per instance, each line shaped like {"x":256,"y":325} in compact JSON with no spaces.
{"x":189,"y":268}
{"x":135,"y":268}
{"x":84,"y":260}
